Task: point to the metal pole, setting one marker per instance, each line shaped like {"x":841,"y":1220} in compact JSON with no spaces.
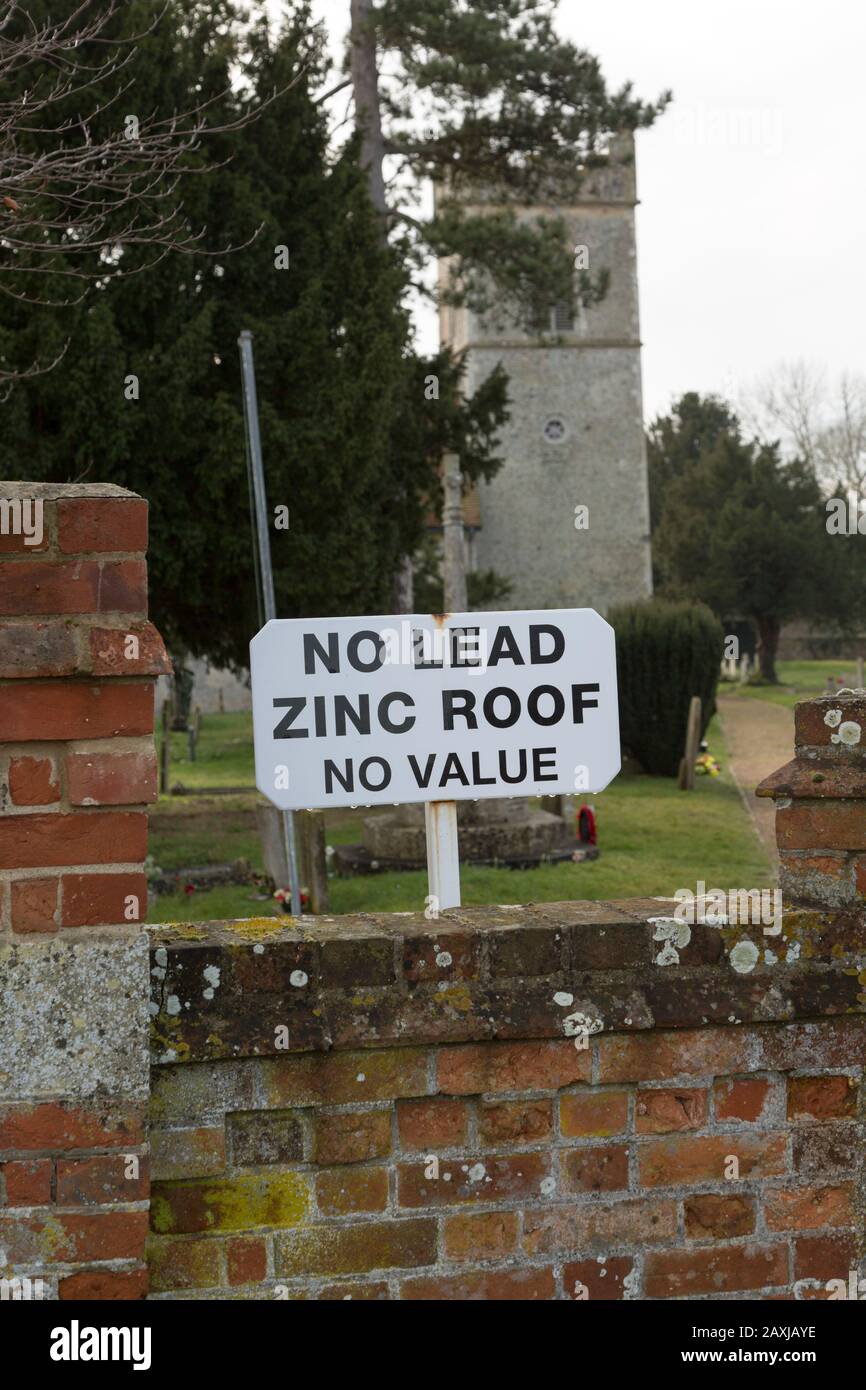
{"x":443,"y":859}
{"x":251,"y":415}
{"x":440,"y":817}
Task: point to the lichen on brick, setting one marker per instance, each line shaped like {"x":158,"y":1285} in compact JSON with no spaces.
{"x":244,"y":1202}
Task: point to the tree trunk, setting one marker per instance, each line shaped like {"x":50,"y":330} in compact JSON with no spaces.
{"x":368,"y":117}
{"x":768,"y":641}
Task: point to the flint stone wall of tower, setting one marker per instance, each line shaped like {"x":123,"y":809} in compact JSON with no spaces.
{"x":590,"y":380}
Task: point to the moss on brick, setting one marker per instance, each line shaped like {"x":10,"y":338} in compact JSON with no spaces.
{"x":255,"y":928}
{"x":247,"y":1202}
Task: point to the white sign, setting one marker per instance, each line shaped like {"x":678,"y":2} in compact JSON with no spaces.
{"x":379,"y":711}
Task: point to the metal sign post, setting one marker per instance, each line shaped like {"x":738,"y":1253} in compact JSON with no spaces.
{"x":440,"y":817}
{"x":443,"y":854}
{"x":257,"y":477}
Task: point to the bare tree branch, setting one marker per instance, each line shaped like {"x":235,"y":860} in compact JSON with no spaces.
{"x":75,"y":207}
{"x":332,"y":91}
{"x":9,"y":379}
{"x":822,"y":423}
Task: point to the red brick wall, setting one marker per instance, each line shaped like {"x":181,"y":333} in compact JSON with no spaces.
{"x":76,"y":715}
{"x":820,"y":806}
{"x":78,"y":660}
{"x":597,"y":1174}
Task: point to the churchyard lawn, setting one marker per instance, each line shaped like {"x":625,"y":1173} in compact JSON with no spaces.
{"x":798,"y":680}
{"x":653,"y":838}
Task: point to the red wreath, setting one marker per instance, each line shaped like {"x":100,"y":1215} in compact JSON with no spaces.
{"x":586,"y":831}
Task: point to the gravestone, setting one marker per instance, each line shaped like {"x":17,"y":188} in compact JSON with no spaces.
{"x":505,"y":831}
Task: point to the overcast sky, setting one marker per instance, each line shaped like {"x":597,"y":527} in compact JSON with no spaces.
{"x":752,"y":222}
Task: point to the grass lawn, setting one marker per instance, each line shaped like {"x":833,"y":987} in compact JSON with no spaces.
{"x":224,"y":757}
{"x":798,"y":680}
{"x":653,"y":840}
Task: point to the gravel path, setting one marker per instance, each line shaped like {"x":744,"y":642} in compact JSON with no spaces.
{"x":760,"y":739}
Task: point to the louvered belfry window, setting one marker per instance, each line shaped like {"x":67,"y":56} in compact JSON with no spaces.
{"x":562,"y":317}
{"x":557,"y":318}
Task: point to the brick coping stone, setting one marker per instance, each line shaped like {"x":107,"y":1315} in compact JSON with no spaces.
{"x":260,"y":987}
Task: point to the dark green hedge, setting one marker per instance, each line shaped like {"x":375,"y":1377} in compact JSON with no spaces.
{"x":666,"y":652}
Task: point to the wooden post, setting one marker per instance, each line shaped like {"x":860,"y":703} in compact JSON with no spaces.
{"x":443,"y":858}
{"x":313,"y":859}
{"x":193,"y":733}
{"x":165,"y":748}
{"x":693,"y":735}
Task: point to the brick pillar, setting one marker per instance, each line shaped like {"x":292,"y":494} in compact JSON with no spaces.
{"x":821,"y":804}
{"x":78,"y":660}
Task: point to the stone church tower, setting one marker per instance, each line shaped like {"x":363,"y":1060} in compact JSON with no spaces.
{"x":575,"y":437}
